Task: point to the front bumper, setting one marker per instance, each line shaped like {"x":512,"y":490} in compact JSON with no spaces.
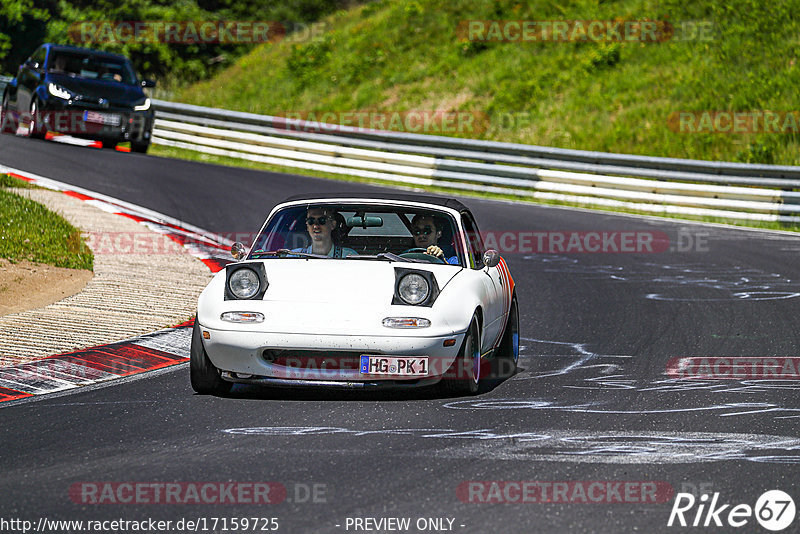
{"x":333,"y":384}
{"x":127,"y":125}
{"x":247,"y":357}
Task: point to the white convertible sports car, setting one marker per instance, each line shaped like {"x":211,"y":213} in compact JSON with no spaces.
{"x":358,"y":291}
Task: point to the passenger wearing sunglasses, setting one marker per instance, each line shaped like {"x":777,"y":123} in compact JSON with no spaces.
{"x":320,"y":224}
{"x":426,"y":235}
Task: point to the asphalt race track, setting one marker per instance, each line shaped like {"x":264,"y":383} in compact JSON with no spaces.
{"x":592,"y":402}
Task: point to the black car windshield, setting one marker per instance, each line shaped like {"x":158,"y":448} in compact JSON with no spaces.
{"x":360,"y":232}
{"x":94,"y":67}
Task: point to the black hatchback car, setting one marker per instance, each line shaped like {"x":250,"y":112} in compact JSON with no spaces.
{"x":81,"y":92}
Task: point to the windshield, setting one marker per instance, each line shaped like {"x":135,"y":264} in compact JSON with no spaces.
{"x":360,"y":231}
{"x":85,"y":65}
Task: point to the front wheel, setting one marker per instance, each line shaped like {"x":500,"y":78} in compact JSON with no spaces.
{"x":463,"y":377}
{"x":35,"y":129}
{"x":205,"y":378}
{"x":141,"y":148}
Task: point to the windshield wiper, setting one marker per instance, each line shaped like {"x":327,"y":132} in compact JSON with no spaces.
{"x":285,"y":252}
{"x":387,"y":256}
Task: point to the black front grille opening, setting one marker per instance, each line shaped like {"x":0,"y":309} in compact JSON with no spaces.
{"x":313,"y":359}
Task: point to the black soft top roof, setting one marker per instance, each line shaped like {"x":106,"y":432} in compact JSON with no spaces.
{"x":408,"y":197}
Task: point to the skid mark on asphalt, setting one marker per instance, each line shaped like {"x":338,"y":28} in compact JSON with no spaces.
{"x":602,"y":373}
{"x":714,"y":283}
{"x":584,"y":356}
{"x":580,"y":353}
{"x":571,"y":446}
{"x":725,"y":409}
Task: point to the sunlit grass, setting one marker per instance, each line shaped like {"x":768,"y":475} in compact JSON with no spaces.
{"x":29,"y":231}
{"x":402,"y":55}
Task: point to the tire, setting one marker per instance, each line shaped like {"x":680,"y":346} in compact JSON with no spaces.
{"x":505,"y":360}
{"x":35,"y":131}
{"x":463,"y":377}
{"x":205,"y":378}
{"x":109,"y":144}
{"x":7,"y":122}
{"x":140,"y":148}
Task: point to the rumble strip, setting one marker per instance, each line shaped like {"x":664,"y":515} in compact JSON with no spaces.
{"x":101,"y":363}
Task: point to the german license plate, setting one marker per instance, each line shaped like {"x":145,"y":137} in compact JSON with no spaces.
{"x":102,"y":118}
{"x":394,"y":365}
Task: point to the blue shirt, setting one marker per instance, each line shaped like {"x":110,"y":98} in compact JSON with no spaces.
{"x":335,"y":252}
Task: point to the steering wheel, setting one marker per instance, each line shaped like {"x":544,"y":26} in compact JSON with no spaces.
{"x":418,"y":253}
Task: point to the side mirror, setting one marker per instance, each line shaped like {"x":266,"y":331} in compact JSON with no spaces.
{"x":238,"y":251}
{"x":148,"y":83}
{"x":491,"y":258}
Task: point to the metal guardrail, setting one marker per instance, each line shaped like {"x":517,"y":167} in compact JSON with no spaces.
{"x":666,"y":185}
{"x":3,"y":82}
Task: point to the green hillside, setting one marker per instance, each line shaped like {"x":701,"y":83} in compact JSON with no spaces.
{"x":407,"y":55}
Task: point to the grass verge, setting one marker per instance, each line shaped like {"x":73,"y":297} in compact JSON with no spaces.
{"x":624,"y":96}
{"x":29,"y":231}
{"x":191,"y":155}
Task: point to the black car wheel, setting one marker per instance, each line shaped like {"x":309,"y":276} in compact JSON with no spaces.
{"x":464,"y":375}
{"x":7,"y":122}
{"x":205,"y":378}
{"x":35,"y":130}
{"x":109,"y":144}
{"x":141,"y":148}
{"x":505,"y":361}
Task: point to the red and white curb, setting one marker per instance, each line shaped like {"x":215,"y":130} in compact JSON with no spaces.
{"x":116,"y":360}
{"x":96,"y":364}
{"x":69,"y":140}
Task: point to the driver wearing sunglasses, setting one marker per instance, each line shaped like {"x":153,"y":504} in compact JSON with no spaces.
{"x":426,"y":235}
{"x":320,"y":224}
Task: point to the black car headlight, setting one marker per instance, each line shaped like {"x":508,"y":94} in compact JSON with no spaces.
{"x":245,"y":281}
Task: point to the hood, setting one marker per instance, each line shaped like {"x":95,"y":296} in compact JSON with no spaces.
{"x":340,"y":281}
{"x":115,"y":92}
{"x":323,"y":297}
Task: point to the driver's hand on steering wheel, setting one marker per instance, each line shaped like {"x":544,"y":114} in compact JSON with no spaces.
{"x":433,"y":250}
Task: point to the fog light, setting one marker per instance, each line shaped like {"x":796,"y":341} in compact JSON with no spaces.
{"x":406,"y":322}
{"x":242,"y":317}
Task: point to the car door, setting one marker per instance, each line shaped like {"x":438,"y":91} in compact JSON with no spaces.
{"x":491,"y":281}
{"x":28,"y":78}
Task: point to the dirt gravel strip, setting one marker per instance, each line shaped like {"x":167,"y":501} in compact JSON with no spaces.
{"x":134,"y":291}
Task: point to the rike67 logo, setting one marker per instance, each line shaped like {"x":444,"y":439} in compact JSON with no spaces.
{"x":774,"y":510}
